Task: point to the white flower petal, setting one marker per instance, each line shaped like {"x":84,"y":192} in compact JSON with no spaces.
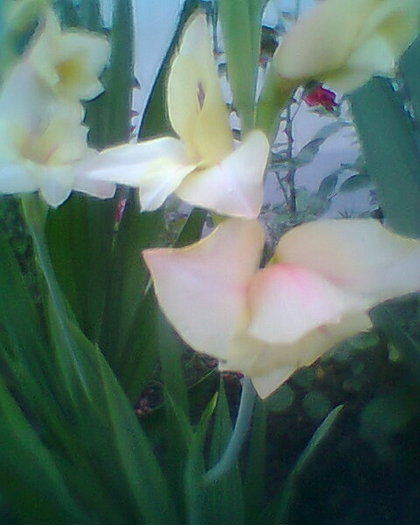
{"x":56,"y":185}
{"x":95,"y":188}
{"x":345,"y":43}
{"x":22,"y":97}
{"x":156,"y":167}
{"x":321,"y":40}
{"x":233,"y":187}
{"x":376,"y":54}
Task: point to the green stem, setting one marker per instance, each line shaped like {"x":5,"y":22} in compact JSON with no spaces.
{"x":290,"y":177}
{"x":273,"y":99}
{"x":230,"y":456}
{"x":34,"y":214}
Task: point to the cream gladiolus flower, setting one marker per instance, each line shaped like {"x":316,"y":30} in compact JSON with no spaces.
{"x":344,"y":43}
{"x":42,"y":142}
{"x":69,"y":62}
{"x":202,"y":167}
{"x":267,"y":322}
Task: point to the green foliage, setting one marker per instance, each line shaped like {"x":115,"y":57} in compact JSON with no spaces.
{"x":392,"y":152}
{"x":288,"y":493}
{"x":242,"y":52}
{"x":81,"y":335}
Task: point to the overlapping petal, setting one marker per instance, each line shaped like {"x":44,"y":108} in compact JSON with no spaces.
{"x":314,"y":294}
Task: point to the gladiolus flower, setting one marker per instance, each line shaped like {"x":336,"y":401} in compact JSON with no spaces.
{"x":345,"y":43}
{"x":202,"y":167}
{"x":42,"y":142}
{"x":69,"y":62}
{"x":314,"y":294}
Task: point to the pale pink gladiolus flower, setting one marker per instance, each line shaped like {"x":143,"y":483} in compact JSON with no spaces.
{"x":202,"y":167}
{"x":314,"y":294}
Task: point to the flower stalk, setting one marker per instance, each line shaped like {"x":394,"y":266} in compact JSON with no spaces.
{"x":233,"y":449}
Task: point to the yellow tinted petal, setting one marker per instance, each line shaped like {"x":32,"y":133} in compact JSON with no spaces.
{"x":82,"y":58}
{"x":68,"y":62}
{"x":395,"y":22}
{"x":322,"y":40}
{"x":202,"y":288}
{"x":196,"y":107}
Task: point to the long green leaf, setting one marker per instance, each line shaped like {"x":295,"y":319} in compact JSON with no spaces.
{"x":117,"y":448}
{"x":30,"y":481}
{"x":196,"y":494}
{"x":255,"y":473}
{"x":129,"y":329}
{"x":386,"y":320}
{"x":391,"y":151}
{"x":80,"y":232}
{"x":410,"y":72}
{"x":108,"y":116}
{"x":93,"y":401}
{"x":288,"y":493}
{"x":225,"y":500}
{"x":80,"y":236}
{"x":241,"y":26}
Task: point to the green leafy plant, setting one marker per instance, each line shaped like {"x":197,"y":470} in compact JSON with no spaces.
{"x":107,"y":415}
